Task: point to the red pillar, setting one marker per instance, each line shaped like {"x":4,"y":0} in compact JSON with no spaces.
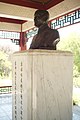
{"x":22,"y":40}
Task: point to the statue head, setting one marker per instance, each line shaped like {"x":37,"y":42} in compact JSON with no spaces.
{"x":41,"y":17}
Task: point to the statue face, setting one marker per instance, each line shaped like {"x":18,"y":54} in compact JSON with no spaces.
{"x":40,"y":17}
{"x":38,"y":21}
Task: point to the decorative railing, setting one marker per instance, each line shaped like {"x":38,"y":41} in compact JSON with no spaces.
{"x":66,"y":19}
{"x":31,"y":32}
{"x":5,"y":89}
{"x":9,"y":35}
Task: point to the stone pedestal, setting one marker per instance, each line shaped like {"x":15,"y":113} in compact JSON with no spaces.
{"x":42,"y":85}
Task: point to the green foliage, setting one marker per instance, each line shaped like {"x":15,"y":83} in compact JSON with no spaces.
{"x":76,"y":97}
{"x":5,"y":65}
{"x":71,"y":42}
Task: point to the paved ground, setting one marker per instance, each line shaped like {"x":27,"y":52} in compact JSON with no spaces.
{"x":76,"y":113}
{"x":6,"y":108}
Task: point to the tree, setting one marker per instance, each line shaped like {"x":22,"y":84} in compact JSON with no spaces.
{"x":5,"y":65}
{"x":72,"y":43}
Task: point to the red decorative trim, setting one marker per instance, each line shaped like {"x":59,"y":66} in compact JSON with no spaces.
{"x":52,"y":3}
{"x":34,"y":4}
{"x":26,"y":3}
{"x":9,"y":20}
{"x":41,"y":1}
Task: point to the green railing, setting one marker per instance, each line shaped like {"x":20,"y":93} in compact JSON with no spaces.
{"x":5,"y":89}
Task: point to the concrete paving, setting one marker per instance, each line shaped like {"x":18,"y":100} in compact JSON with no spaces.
{"x":6,"y":108}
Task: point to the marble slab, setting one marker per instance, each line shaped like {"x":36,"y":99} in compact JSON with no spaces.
{"x":42,"y":85}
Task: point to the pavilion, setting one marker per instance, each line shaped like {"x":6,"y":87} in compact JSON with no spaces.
{"x":16,"y":17}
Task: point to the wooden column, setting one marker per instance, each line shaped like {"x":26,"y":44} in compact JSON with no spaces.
{"x":22,"y":40}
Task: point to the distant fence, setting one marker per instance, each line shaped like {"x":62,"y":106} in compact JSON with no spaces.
{"x":5,"y":89}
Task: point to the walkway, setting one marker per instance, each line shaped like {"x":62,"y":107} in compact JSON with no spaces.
{"x":6,"y":108}
{"x":76,"y":113}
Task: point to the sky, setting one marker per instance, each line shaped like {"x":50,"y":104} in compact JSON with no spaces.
{"x":66,"y":30}
{"x":8,"y":43}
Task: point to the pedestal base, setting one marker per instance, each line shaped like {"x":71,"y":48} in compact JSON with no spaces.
{"x":42,"y":85}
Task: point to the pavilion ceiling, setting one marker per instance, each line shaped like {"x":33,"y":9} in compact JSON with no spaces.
{"x":36,"y":4}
